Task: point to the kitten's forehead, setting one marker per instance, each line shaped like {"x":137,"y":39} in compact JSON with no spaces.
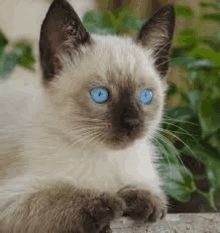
{"x":111,"y":61}
{"x":122,"y":59}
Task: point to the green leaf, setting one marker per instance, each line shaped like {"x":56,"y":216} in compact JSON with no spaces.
{"x":172,"y":89}
{"x":8,"y":62}
{"x":187,"y":40}
{"x":140,"y":22}
{"x":3,"y":43}
{"x":213,"y":17}
{"x":90,"y":27}
{"x":178,"y":191}
{"x":215,"y":140}
{"x":204,"y":152}
{"x":179,"y":182}
{"x":187,"y":37}
{"x":108,"y":20}
{"x":188,"y":32}
{"x":122,"y":12}
{"x":184,"y":11}
{"x":93,"y":17}
{"x":180,"y":57}
{"x":21,"y":54}
{"x":25,"y":54}
{"x":3,"y":40}
{"x":183,"y":61}
{"x":192,"y":74}
{"x":189,"y":133}
{"x":130,"y":23}
{"x":204,"y":53}
{"x":201,"y":64}
{"x":213,"y":173}
{"x":115,"y":22}
{"x":100,"y":22}
{"x":179,"y":113}
{"x":213,"y":42}
{"x":194,"y":97}
{"x":209,"y":116}
{"x":208,"y":4}
{"x":180,"y":51}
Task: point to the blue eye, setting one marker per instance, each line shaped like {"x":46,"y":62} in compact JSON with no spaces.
{"x":99,"y":94}
{"x":146,"y":96}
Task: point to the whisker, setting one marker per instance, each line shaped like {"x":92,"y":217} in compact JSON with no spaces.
{"x":186,"y":132}
{"x":178,"y":120}
{"x":173,"y":135}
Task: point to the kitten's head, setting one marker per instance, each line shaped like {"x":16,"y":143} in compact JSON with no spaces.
{"x":105,"y":89}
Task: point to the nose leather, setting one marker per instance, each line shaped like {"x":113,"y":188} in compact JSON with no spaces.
{"x":131,"y":121}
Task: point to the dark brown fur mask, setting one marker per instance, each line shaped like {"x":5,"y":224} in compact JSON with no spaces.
{"x":104,"y":90}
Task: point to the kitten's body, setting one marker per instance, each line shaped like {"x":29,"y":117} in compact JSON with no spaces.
{"x":61,"y":141}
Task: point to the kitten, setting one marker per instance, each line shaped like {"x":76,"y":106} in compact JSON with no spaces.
{"x":79,"y":153}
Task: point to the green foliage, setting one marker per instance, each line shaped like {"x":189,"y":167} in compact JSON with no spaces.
{"x":200,"y":58}
{"x":117,"y":22}
{"x":21,"y":54}
{"x":184,"y":11}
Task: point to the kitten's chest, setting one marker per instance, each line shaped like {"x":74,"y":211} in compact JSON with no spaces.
{"x":84,"y":167}
{"x":92,"y":167}
{"x":93,"y":171}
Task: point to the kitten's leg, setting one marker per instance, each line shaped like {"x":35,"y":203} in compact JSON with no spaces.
{"x":60,"y":208}
{"x":143,"y":204}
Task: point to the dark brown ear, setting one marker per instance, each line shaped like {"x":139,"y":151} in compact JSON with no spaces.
{"x":61,"y":31}
{"x":157,"y":34}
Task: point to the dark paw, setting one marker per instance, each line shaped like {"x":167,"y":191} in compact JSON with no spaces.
{"x":143,"y":205}
{"x":107,"y":229}
{"x":101,"y":211}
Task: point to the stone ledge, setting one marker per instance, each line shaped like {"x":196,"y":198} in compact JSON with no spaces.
{"x":173,"y":223}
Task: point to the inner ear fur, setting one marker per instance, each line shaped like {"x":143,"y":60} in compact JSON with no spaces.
{"x":61,"y":32}
{"x":157,"y":34}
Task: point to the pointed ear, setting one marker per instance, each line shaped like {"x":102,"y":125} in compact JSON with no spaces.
{"x":61,"y":31}
{"x":157,"y":34}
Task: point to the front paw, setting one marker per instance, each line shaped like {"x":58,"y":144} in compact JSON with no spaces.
{"x":143,"y":205}
{"x":101,"y":211}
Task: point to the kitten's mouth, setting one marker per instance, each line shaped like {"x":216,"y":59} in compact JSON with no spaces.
{"x":122,"y":140}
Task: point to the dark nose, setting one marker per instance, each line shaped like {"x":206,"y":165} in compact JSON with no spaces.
{"x":132,"y":122}
{"x":129,"y":123}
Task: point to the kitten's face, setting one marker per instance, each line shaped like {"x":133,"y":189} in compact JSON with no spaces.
{"x":106,"y":90}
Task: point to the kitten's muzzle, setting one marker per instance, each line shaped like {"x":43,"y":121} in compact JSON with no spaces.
{"x":130,"y":126}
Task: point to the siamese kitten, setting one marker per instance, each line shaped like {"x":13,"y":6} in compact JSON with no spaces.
{"x":79,"y":153}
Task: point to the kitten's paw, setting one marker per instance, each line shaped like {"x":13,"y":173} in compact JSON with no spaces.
{"x":101,"y":211}
{"x":143,"y":205}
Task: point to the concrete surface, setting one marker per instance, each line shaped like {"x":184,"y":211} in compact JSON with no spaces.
{"x":174,"y":223}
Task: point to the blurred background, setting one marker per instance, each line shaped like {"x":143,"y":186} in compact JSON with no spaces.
{"x":189,"y":139}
